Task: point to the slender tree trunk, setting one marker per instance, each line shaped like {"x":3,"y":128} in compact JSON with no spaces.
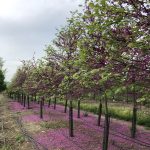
{"x":35,"y":98}
{"x":41,"y":109}
{"x":71,"y":119}
{"x":78,"y":108}
{"x":99,"y":113}
{"x":24,"y":101}
{"x":134,"y":120}
{"x":28,"y":101}
{"x":49,"y":102}
{"x":55,"y":102}
{"x":134,"y":115}
{"x":106,"y":132}
{"x":66,"y":104}
{"x":18,"y":97}
{"x":127,"y":100}
{"x":106,"y":126}
{"x":43,"y":101}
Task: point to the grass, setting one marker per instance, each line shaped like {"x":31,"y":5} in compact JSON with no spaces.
{"x":6,"y":147}
{"x":54,"y":124}
{"x":118,"y":112}
{"x":20,"y":138}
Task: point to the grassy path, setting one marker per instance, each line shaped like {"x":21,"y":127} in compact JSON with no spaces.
{"x":11,"y":138}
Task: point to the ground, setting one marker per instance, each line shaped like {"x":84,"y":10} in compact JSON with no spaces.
{"x":51,"y":132}
{"x":11,"y":137}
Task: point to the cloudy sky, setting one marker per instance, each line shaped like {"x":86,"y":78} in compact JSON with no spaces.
{"x":26,"y":26}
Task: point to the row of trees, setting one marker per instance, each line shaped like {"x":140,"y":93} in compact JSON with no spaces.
{"x":105,"y":50}
{"x":2,"y":76}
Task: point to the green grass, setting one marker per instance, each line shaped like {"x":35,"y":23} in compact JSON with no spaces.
{"x":20,"y":138}
{"x":118,"y":112}
{"x":6,"y":147}
{"x":54,"y":124}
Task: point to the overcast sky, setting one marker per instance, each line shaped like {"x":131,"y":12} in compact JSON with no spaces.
{"x":26,"y":26}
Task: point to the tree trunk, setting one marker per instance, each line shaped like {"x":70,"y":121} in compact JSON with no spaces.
{"x":49,"y":102}
{"x":41,"y":109}
{"x":18,"y":97}
{"x":127,"y":100}
{"x":71,"y":120}
{"x":28,"y":102}
{"x":24,"y":101}
{"x":134,"y":119}
{"x":55,"y":102}
{"x":106,"y":132}
{"x":35,"y":98}
{"x":134,"y":114}
{"x":43,"y":101}
{"x":66,"y":104}
{"x":22,"y":98}
{"x":99,"y":113}
{"x":78,"y":108}
{"x":106,"y":126}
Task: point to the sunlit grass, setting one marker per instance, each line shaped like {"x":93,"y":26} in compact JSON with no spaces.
{"x":118,"y":112}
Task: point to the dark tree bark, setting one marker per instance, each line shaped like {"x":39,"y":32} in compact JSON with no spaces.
{"x":78,"y":108}
{"x":99,"y":113}
{"x":106,"y":132}
{"x":55,"y":102}
{"x":43,"y":101}
{"x":49,"y":102}
{"x":106,"y":126}
{"x":134,"y":114}
{"x":127,"y":100}
{"x":35,"y":98}
{"x":28,"y":101}
{"x":71,"y":134}
{"x":24,"y":101}
{"x":22,"y":98}
{"x":66,"y":104}
{"x":41,"y":109}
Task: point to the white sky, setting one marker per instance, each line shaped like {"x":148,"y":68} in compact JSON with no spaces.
{"x":26,"y":26}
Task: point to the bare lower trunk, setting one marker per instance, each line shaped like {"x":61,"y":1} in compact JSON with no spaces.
{"x":99,"y":113}
{"x":66,"y":104}
{"x":134,"y":114}
{"x":55,"y":102}
{"x":78,"y":108}
{"x":24,"y":101}
{"x":28,"y":102}
{"x":106,"y":126}
{"x":49,"y":102}
{"x":41,"y":109}
{"x":71,"y":120}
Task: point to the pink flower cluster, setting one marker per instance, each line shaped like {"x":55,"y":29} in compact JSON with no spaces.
{"x":15,"y":106}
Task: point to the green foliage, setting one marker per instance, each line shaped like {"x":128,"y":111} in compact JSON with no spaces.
{"x":104,"y":49}
{"x":2,"y":81}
